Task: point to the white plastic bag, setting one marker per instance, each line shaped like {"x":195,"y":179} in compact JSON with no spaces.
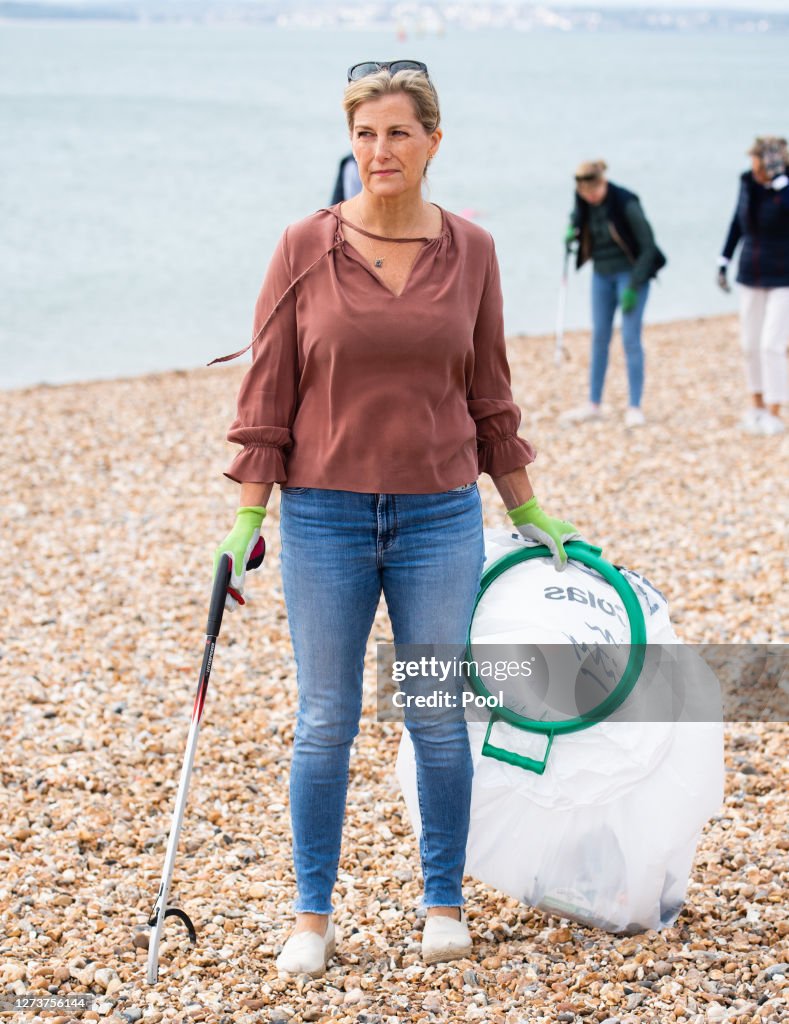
{"x":606,"y":836}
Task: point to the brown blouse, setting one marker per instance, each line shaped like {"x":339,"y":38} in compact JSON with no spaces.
{"x":354,"y":388}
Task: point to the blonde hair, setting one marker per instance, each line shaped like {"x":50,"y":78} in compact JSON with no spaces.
{"x":591,"y":169}
{"x":763,"y":143}
{"x":415,"y":84}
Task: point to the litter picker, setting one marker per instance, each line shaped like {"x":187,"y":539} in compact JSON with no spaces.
{"x":160,"y":909}
{"x":558,"y":351}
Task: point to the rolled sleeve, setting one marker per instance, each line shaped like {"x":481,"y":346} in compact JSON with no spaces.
{"x":262,"y":458}
{"x":490,"y":403}
{"x":499,"y":449}
{"x":268,"y":394}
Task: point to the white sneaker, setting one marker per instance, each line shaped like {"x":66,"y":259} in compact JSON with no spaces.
{"x":582,"y":414}
{"x":634,"y":417}
{"x":308,"y":952}
{"x":752,"y":420}
{"x":444,"y":939}
{"x":770,"y":424}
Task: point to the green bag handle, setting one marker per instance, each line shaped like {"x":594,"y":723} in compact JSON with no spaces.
{"x":586,"y":554}
{"x":510,"y":757}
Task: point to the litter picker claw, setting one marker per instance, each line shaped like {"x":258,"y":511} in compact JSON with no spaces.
{"x":161,"y":911}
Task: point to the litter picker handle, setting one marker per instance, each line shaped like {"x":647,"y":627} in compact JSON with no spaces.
{"x":224,"y":572}
{"x":218,"y":593}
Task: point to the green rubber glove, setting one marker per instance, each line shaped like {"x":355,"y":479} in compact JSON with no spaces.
{"x":239,"y":544}
{"x":534,"y":524}
{"x":629,"y":300}
{"x":570,"y":235}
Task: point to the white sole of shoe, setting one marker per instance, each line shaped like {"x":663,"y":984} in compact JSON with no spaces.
{"x":443,"y":956}
{"x":330,"y":951}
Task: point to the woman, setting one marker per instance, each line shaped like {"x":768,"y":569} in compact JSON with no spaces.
{"x":613,"y":232}
{"x":761,"y":221}
{"x":379,"y":390}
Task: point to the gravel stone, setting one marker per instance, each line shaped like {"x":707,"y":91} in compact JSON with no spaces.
{"x":101,"y":657}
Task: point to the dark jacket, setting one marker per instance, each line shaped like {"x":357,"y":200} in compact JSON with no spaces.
{"x":761,"y":220}
{"x":645,"y":258}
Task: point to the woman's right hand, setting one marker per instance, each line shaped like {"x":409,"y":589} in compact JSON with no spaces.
{"x":239,"y":544}
{"x":722,"y":280}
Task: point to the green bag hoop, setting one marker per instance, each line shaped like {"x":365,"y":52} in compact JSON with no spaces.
{"x":586,"y":554}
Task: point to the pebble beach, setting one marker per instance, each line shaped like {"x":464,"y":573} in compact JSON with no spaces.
{"x":112,"y":504}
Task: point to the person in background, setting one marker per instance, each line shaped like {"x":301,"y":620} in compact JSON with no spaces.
{"x":761,"y":222}
{"x":610,"y":228}
{"x":379,"y":391}
{"x":348,"y":183}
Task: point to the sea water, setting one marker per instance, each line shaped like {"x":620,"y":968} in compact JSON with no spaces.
{"x":147,"y":170}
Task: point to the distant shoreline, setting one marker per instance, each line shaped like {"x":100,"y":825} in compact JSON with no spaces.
{"x":433,"y":20}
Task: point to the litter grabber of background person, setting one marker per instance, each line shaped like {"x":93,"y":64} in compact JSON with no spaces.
{"x":594,"y":777}
{"x":219,"y":593}
{"x":558,"y":351}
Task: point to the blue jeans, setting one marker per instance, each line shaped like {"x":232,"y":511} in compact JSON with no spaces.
{"x":606,"y":295}
{"x":340,"y":550}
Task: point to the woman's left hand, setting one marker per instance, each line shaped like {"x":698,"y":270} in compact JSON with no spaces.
{"x":534,"y":524}
{"x":628,"y":300}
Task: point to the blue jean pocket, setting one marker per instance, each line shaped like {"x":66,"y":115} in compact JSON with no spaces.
{"x":293,"y":490}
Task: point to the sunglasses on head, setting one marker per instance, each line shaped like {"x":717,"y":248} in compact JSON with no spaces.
{"x":586,"y":179}
{"x":372,"y":67}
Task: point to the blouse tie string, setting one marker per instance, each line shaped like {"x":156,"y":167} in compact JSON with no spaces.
{"x":338,"y":240}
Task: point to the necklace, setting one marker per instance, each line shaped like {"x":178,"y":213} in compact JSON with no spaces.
{"x":378,"y":261}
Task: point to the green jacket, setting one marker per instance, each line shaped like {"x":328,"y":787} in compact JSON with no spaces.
{"x":617,"y":237}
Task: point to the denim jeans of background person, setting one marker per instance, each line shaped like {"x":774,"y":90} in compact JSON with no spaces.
{"x":610,"y":228}
{"x":607,"y":290}
{"x":379,"y":391}
{"x":761,"y":223}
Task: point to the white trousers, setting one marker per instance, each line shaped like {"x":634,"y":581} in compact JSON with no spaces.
{"x":764,"y":330}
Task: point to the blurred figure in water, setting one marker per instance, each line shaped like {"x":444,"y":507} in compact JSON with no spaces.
{"x":348,"y":183}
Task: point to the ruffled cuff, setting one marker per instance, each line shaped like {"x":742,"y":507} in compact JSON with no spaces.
{"x":502,"y":455}
{"x":262,"y":459}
